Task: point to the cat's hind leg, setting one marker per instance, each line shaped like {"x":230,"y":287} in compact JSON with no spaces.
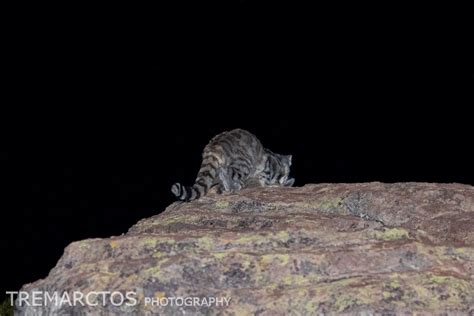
{"x":225,"y":180}
{"x":232,"y":179}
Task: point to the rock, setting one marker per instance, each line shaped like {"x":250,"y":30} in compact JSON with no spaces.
{"x":326,"y":248}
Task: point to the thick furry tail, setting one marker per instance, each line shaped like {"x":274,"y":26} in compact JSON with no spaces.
{"x":188,"y":193}
{"x":206,"y":178}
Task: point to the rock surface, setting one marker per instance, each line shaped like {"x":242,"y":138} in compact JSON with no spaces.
{"x":327,"y":248}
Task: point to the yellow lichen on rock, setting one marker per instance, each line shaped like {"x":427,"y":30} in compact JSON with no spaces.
{"x":391,"y":234}
{"x":368,"y":248}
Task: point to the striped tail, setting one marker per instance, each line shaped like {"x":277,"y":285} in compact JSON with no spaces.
{"x":205,"y":179}
{"x":188,"y":193}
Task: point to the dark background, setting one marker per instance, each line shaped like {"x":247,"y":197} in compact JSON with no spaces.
{"x":104,"y":111}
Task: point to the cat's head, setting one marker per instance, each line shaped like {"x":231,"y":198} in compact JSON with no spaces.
{"x":285,"y":180}
{"x":283,"y":170}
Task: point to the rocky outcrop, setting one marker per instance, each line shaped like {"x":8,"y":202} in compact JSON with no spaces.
{"x":326,"y":248}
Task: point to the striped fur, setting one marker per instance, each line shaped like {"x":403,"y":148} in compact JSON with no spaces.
{"x":230,"y":160}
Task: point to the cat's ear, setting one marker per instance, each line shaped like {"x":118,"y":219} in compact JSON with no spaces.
{"x":289,"y":157}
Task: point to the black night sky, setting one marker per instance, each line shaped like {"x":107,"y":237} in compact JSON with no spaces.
{"x":102,"y":119}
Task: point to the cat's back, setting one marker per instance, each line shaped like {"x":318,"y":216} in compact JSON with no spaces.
{"x":235,"y":142}
{"x":235,"y":137}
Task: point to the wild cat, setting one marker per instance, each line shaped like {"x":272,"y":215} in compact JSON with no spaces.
{"x":233,"y":158}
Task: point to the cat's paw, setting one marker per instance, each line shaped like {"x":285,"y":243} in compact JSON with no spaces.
{"x":289,"y":182}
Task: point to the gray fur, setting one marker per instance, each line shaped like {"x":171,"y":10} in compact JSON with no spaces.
{"x":232,"y":159}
